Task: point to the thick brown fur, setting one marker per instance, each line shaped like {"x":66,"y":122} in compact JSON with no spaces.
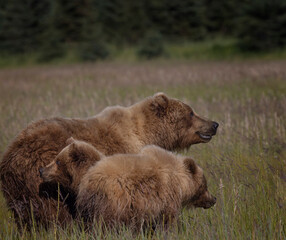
{"x":71,"y":164}
{"x":136,"y":190}
{"x":157,"y":120}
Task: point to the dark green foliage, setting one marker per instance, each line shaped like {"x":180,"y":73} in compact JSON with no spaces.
{"x":21,"y":25}
{"x":92,"y":46}
{"x":69,"y":16}
{"x":221,"y":16}
{"x":92,"y":51}
{"x":52,"y":38}
{"x":152,"y":46}
{"x":122,"y":21}
{"x":51,"y":47}
{"x":262,"y":26}
{"x":185,"y":18}
{"x":48,"y":27}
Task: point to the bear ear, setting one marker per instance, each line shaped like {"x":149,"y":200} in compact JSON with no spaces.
{"x":190,"y":165}
{"x":81,"y":153}
{"x":77,"y":153}
{"x":159,"y":103}
{"x":70,"y":140}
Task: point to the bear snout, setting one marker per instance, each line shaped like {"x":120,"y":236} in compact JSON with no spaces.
{"x":41,"y":171}
{"x":215,"y":126}
{"x":213,"y":202}
{"x":210,"y":203}
{"x":214,"y":199}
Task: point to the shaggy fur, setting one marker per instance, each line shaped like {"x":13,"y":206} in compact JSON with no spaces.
{"x":157,"y":120}
{"x":71,"y":164}
{"x":129,"y":189}
{"x":135,"y":190}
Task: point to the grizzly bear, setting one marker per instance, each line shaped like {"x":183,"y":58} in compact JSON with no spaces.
{"x":158,"y":120}
{"x":133,"y":190}
{"x":71,"y":164}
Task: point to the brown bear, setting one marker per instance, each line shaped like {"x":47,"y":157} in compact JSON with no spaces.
{"x":134,"y":190}
{"x":71,"y":164}
{"x":158,"y":120}
{"x":129,"y":189}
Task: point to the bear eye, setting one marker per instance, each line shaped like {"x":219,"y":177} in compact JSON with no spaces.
{"x":192,"y":114}
{"x":58,"y":162}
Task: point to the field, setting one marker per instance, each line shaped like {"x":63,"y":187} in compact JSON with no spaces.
{"x":245,"y":164}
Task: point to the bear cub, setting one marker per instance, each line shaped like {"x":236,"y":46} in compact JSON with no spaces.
{"x":71,"y":164}
{"x":132,"y":190}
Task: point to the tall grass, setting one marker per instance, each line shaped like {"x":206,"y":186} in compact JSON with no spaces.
{"x":245,"y":164}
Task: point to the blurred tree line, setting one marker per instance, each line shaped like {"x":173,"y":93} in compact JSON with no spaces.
{"x":48,"y":26}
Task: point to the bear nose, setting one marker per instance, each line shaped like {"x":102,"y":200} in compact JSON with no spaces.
{"x":213,"y":200}
{"x":215,"y":125}
{"x":41,"y":171}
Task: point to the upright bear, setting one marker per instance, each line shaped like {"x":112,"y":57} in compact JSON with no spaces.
{"x":158,"y":120}
{"x":133,"y":190}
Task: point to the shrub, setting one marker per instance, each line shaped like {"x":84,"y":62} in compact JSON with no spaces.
{"x":152,"y":46}
{"x":92,"y":51}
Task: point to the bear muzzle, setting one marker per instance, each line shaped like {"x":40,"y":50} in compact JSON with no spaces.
{"x":44,"y":174}
{"x":211,"y":202}
{"x":206,"y":134}
{"x":41,"y":172}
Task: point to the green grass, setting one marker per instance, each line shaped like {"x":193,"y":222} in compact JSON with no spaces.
{"x":245,"y":164}
{"x":217,"y":49}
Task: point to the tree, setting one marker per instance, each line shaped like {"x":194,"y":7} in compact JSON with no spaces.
{"x":91,"y":46}
{"x":51,"y":38}
{"x":21,"y":25}
{"x":177,"y":19}
{"x":262,"y":25}
{"x":152,"y":46}
{"x":221,"y":16}
{"x":122,"y":21}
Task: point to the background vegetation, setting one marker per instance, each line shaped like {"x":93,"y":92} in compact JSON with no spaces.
{"x":225,"y":58}
{"x":89,"y":30}
{"x":245,"y":164}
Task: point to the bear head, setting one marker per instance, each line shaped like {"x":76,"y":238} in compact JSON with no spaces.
{"x":198,"y":196}
{"x":182,"y":126}
{"x":71,"y":164}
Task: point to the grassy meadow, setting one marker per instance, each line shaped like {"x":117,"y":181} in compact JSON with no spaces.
{"x":245,"y":163}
